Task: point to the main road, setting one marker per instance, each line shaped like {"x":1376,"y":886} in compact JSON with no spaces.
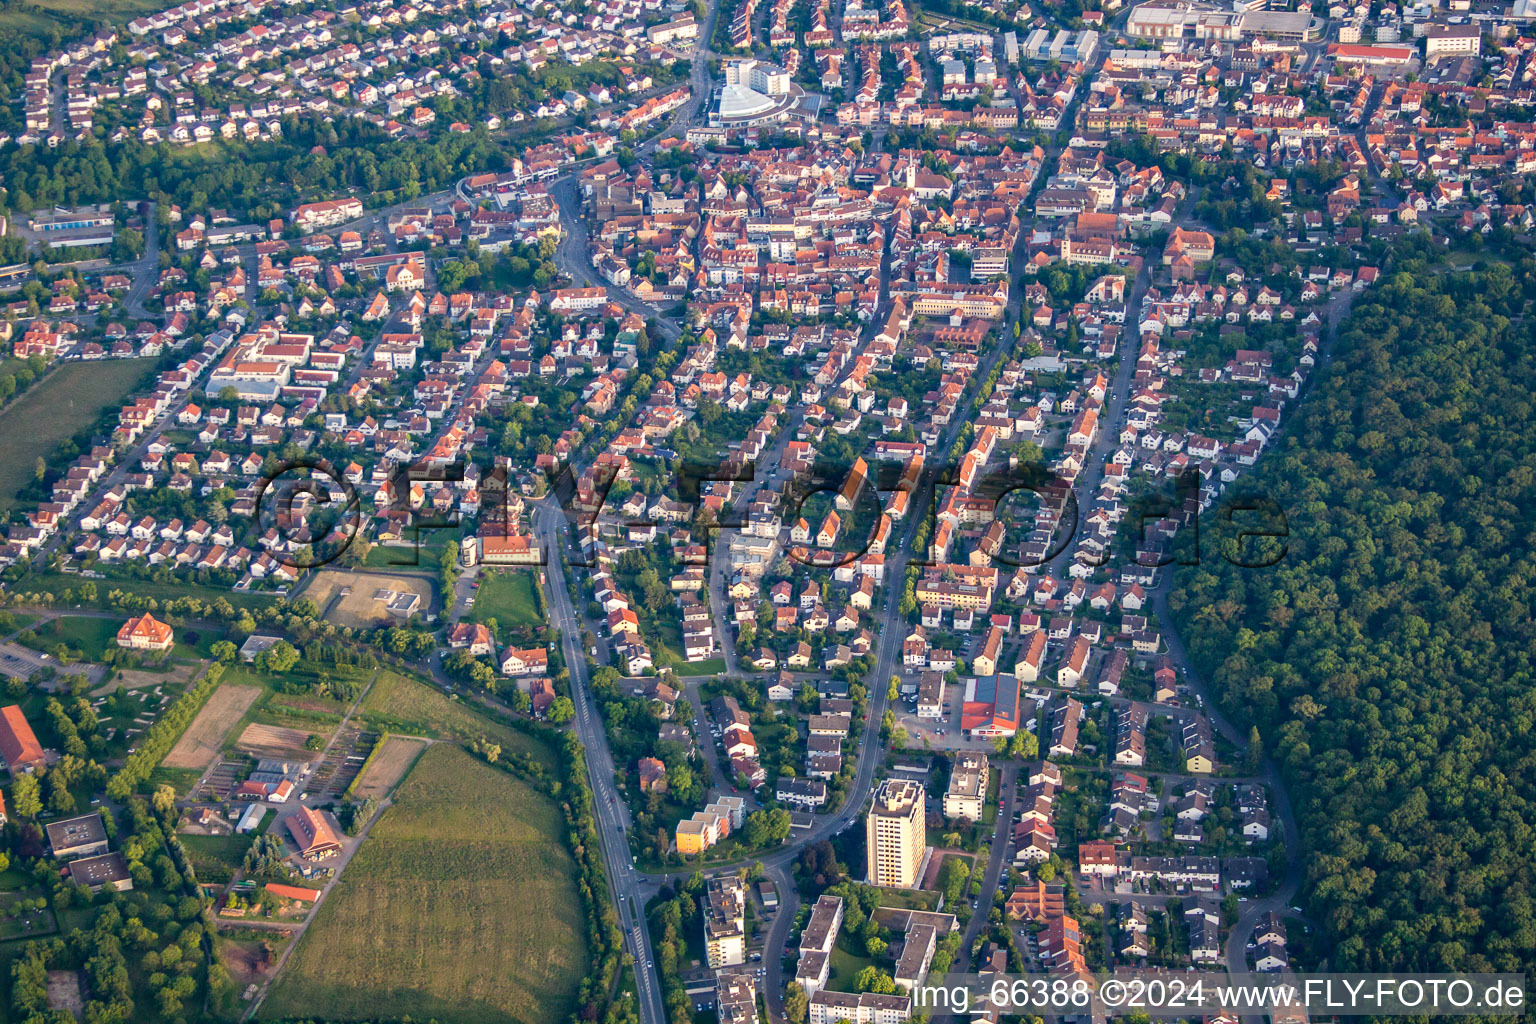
{"x":612,"y":813}
{"x":630,"y":886}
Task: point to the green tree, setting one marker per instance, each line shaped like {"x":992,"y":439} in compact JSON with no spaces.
{"x":796,"y":1004}
{"x":1024,"y":744}
{"x":26,"y":796}
{"x":1253,"y":756}
{"x":561,"y":710}
{"x":279,"y":658}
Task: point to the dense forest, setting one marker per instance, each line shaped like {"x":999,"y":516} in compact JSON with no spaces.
{"x":1387,"y":657}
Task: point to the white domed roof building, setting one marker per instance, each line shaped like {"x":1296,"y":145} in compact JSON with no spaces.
{"x":755,"y":92}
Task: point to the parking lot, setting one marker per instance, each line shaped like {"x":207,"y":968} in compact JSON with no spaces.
{"x":18,"y":662}
{"x":943,"y":733}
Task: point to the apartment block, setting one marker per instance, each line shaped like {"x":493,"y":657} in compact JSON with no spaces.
{"x":895,"y":833}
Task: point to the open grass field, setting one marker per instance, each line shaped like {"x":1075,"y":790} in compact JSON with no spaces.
{"x":34,"y":18}
{"x":707,"y":667}
{"x":58,"y":582}
{"x":426,"y":554}
{"x":52,"y":410}
{"x":204,"y":738}
{"x":460,"y":905}
{"x":389,"y":767}
{"x":180,"y":779}
{"x":358,"y":607}
{"x":508,"y":597}
{"x":91,"y":636}
{"x":401,"y":704}
{"x":319,"y":708}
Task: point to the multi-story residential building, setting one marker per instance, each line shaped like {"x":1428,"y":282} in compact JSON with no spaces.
{"x":725,"y":909}
{"x":709,"y":826}
{"x":895,"y":832}
{"x":1452,"y":41}
{"x":314,"y":216}
{"x":967,"y":790}
{"x":736,"y":999}
{"x":863,"y":1008}
{"x":816,"y":943}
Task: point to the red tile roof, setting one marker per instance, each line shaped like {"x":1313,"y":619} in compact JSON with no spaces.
{"x":293,"y":892}
{"x":18,"y":743}
{"x":146,"y":627}
{"x":312,"y":832}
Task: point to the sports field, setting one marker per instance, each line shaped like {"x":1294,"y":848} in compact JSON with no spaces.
{"x":50,"y":412}
{"x":359,"y":599}
{"x":461,"y":905}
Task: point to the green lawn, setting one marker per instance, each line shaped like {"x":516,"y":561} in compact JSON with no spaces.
{"x":707,"y":667}
{"x":197,"y":643}
{"x":91,"y":636}
{"x":20,"y":620}
{"x":117,"y":11}
{"x":460,"y":906}
{"x":70,"y":399}
{"x":58,"y":582}
{"x":402,"y":704}
{"x":411,"y":555}
{"x":509,"y":598}
{"x":669,"y":634}
{"x":845,"y":967}
{"x":16,"y":923}
{"x":180,"y":779}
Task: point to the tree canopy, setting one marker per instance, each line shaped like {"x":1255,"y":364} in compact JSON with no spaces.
{"x":1386,"y":658}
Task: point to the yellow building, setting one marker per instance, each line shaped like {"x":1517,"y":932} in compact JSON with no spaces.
{"x":981,"y":300}
{"x":693,"y":836}
{"x":709,"y":826}
{"x":895,"y":834}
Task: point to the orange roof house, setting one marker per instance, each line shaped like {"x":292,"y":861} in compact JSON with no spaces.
{"x":312,"y":834}
{"x":18,"y":743}
{"x":145,"y":633}
{"x":1199,"y":246}
{"x":293,"y":892}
